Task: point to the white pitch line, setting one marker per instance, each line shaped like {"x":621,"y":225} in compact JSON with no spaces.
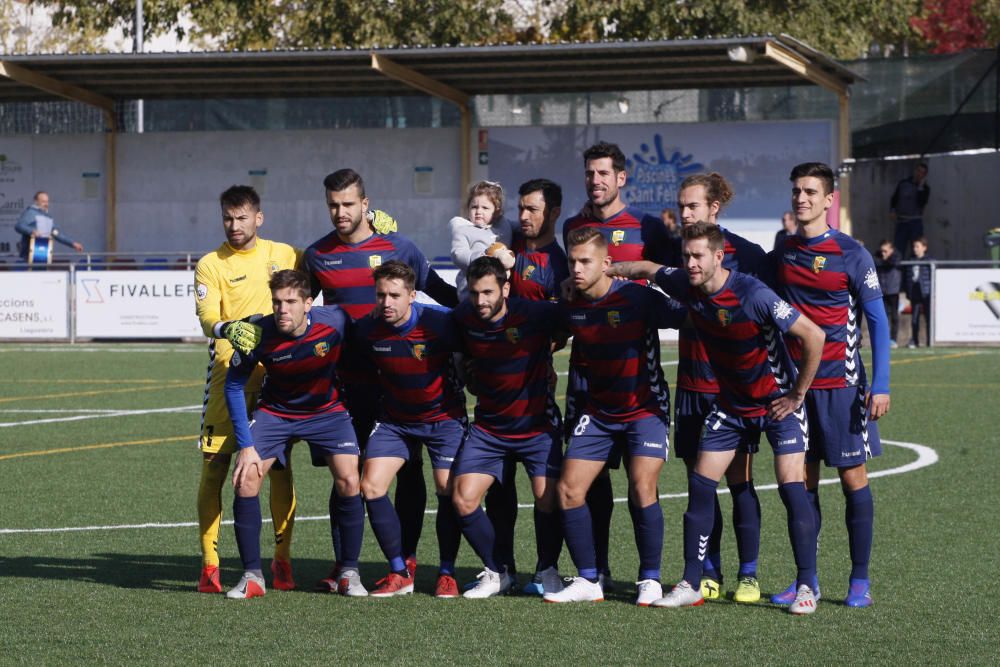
{"x":926,"y":456}
{"x":103,"y":415}
{"x":129,"y":350}
{"x":72,"y":411}
{"x":663,"y":363}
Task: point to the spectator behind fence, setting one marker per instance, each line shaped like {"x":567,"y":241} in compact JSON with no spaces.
{"x":35,"y":222}
{"x":906,"y":208}
{"x":788,"y":228}
{"x":890,"y":277}
{"x":917,"y":283}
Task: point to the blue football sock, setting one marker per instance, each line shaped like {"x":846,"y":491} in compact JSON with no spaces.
{"x":712,"y":565}
{"x":335,"y":525}
{"x":860,"y":516}
{"x":478,"y":530}
{"x":449,"y":534}
{"x":411,"y":501}
{"x":351,"y":516}
{"x":501,"y":508}
{"x":801,"y":530}
{"x":246,"y":521}
{"x":817,"y":510}
{"x":601,"y":503}
{"x":697,"y":525}
{"x":579,"y":533}
{"x":548,"y":539}
{"x":647,"y":523}
{"x":746,"y":524}
{"x":385,"y":525}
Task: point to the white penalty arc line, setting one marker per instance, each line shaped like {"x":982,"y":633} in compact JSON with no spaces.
{"x":926,"y":456}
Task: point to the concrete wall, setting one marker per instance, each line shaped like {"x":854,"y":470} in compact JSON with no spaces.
{"x":169,"y":183}
{"x":964,"y":202}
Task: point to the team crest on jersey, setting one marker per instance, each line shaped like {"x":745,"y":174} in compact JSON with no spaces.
{"x":528,"y":270}
{"x":374,"y":261}
{"x":724,"y":317}
{"x":202,"y":291}
{"x":617,"y":236}
{"x":819,"y":263}
{"x":272,"y":268}
{"x":614,"y":318}
{"x":321,"y":349}
{"x":513,"y":335}
{"x":419,"y":350}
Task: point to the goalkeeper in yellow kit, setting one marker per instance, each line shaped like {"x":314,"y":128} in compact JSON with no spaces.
{"x":231,"y":285}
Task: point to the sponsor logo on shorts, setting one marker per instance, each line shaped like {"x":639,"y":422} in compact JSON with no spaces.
{"x":449,"y":459}
{"x":790,"y":441}
{"x":202,"y":291}
{"x":653,"y":445}
{"x":374,"y":261}
{"x":819,"y":263}
{"x":321,"y":349}
{"x":617,"y":236}
{"x":346,"y":445}
{"x":856,"y":452}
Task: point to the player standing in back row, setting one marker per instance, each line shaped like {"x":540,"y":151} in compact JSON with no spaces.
{"x":830,"y":277}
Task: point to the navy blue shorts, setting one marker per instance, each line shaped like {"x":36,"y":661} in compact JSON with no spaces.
{"x":595,"y":439}
{"x":839,"y":429}
{"x":442,"y":439}
{"x":690,"y":410}
{"x":486,"y":453}
{"x":576,"y":398}
{"x":724,"y":432}
{"x":327,"y":434}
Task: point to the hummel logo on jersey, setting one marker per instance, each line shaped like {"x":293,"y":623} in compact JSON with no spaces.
{"x":385,"y":348}
{"x":782,"y":311}
{"x":332,"y":262}
{"x":790,"y":255}
{"x":238,"y":279}
{"x":871,"y":279}
{"x":819,"y":263}
{"x":579,"y":317}
{"x":283,"y":357}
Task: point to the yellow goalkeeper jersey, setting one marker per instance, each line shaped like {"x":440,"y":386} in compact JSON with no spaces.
{"x":232,"y":284}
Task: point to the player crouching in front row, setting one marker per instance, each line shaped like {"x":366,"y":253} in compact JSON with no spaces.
{"x":299,"y":349}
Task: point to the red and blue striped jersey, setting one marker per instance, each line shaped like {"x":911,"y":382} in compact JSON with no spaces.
{"x":631,"y":235}
{"x":694,"y":372}
{"x":828,"y":278}
{"x":741,"y":328}
{"x":537,"y":274}
{"x":343,"y":271}
{"x":512,"y":362}
{"x":616,"y":339}
{"x":301,"y":373}
{"x":416,"y":369}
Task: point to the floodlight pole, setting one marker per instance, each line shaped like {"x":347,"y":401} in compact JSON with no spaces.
{"x":137,"y":48}
{"x":435,"y":88}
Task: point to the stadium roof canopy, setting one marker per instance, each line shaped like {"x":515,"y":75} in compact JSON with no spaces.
{"x":732,"y":62}
{"x":453,"y":73}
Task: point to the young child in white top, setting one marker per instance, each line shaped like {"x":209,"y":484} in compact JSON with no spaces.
{"x":485,"y":232}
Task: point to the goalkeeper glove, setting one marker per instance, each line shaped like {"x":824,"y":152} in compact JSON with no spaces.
{"x":244,"y":336}
{"x":382,"y":222}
